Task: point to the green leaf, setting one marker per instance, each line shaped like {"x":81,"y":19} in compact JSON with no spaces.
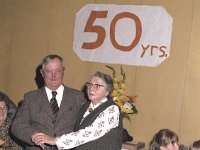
{"x":123,"y":74}
{"x":113,"y":70}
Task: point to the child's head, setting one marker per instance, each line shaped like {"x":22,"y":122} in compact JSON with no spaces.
{"x":165,"y":139}
{"x":195,"y":145}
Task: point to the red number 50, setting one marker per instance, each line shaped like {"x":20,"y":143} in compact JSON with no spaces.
{"x":102,"y":33}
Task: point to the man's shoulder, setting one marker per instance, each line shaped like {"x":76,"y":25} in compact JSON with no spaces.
{"x":34,"y":92}
{"x":74,"y":94}
{"x":72,"y":90}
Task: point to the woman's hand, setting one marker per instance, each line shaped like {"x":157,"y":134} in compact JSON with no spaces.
{"x":1,"y":142}
{"x":41,"y":138}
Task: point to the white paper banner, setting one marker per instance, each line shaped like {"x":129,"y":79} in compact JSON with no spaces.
{"x":123,"y":34}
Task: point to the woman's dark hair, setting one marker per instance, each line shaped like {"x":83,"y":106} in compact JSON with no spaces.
{"x":163,"y":138}
{"x":4,"y":98}
{"x":195,"y":145}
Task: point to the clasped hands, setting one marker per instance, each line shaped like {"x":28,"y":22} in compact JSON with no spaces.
{"x":40,"y":138}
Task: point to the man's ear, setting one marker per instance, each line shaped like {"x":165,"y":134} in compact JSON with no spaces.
{"x":107,"y":94}
{"x":41,"y":72}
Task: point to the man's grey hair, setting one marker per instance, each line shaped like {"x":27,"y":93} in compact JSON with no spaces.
{"x":51,"y":57}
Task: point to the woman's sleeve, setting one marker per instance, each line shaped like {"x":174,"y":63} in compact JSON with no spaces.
{"x":106,"y":120}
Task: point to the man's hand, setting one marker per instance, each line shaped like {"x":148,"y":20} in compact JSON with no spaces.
{"x":41,"y":138}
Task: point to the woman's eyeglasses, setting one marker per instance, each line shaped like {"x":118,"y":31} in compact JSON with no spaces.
{"x":3,"y":108}
{"x":95,"y":86}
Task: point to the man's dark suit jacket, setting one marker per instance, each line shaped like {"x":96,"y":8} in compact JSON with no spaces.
{"x":35,"y":115}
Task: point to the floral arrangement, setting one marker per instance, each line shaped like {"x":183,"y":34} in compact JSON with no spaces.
{"x":124,"y":101}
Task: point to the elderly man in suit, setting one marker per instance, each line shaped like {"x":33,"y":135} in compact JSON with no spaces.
{"x":52,"y":109}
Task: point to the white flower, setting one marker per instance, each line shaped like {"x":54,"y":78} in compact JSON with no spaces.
{"x":128,"y":105}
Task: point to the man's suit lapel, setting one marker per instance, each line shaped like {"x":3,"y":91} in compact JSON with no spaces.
{"x":64,"y":102}
{"x":44,"y":103}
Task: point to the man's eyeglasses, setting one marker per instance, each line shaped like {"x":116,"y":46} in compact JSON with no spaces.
{"x":95,"y":86}
{"x":51,"y":72}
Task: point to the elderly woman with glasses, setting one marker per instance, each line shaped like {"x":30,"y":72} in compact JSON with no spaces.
{"x":99,"y":123}
{"x":6,"y":141}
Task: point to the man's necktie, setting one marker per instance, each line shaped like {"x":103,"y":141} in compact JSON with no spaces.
{"x":54,"y":105}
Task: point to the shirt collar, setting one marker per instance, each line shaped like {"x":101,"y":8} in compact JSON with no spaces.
{"x":59,"y":92}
